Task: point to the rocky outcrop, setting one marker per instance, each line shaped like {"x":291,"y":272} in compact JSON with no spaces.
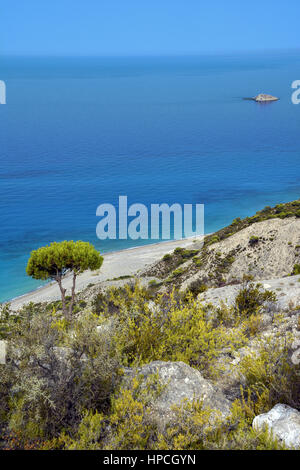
{"x":262,"y":97}
{"x":295,"y":358}
{"x":180,"y":382}
{"x":273,"y":256}
{"x":284,"y":423}
{"x":287,"y":291}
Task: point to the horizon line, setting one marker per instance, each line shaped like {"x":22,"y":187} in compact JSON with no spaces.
{"x":149,"y":55}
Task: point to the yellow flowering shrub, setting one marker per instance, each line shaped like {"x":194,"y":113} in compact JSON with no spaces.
{"x":128,"y":426}
{"x":173,"y":329}
{"x":269,"y":371}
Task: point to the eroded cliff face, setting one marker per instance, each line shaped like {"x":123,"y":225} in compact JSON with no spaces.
{"x":266,"y":250}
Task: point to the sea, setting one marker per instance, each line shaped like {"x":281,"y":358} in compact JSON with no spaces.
{"x":77,"y":132}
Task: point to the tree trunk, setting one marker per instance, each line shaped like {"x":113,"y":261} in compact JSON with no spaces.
{"x":72,"y":296}
{"x":63,"y":295}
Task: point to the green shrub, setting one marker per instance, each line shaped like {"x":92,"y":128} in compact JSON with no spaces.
{"x":197,"y":287}
{"x":121,"y":278}
{"x":186,"y":254}
{"x":252,"y":297}
{"x":56,"y":370}
{"x":213,"y":239}
{"x":253,"y":240}
{"x":154,"y":284}
{"x":269,"y":372}
{"x":177,"y":272}
{"x":197,"y":261}
{"x":128,"y":425}
{"x":296,"y":270}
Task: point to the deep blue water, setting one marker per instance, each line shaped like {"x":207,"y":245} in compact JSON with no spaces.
{"x":79,"y":132}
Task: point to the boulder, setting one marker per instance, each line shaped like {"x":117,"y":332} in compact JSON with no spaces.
{"x":296,"y":350}
{"x":284,"y":423}
{"x":181,"y":382}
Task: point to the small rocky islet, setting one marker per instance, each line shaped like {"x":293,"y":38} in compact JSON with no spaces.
{"x":263,"y":98}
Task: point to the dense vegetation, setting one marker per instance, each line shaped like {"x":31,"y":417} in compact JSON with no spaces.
{"x":63,"y":387}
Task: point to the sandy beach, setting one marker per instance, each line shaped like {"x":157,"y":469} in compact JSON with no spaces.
{"x":120,"y":263}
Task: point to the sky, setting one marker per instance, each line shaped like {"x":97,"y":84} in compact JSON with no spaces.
{"x":146,"y":27}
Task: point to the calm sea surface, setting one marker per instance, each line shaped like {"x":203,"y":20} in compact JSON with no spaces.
{"x":76,"y":133}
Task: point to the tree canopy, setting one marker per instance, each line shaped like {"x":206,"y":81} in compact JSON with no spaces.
{"x":57,"y":259}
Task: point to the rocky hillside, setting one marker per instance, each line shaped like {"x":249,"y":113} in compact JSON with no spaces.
{"x":263,"y":246}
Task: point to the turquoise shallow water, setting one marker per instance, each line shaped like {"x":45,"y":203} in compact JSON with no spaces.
{"x":79,"y":132}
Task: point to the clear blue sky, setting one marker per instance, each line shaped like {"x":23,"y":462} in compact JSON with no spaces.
{"x":138,"y":27}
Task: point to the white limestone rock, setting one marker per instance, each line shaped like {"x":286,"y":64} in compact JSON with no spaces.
{"x":284,"y":423}
{"x":181,"y":382}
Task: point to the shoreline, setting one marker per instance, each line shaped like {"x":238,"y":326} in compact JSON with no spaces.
{"x":116,"y":264}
